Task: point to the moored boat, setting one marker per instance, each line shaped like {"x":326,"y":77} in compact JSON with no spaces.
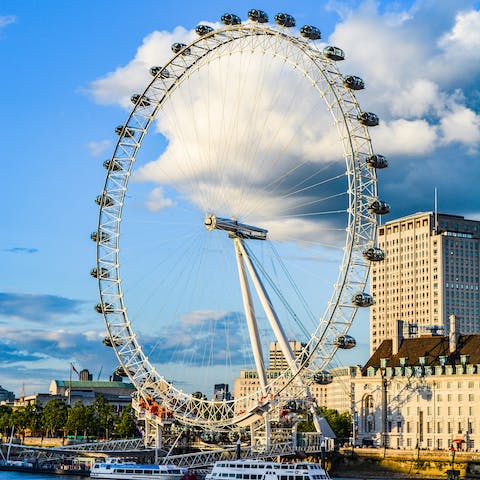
{"x":118,"y":469}
{"x":265,"y":470}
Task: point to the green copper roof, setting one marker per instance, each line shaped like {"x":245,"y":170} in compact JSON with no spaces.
{"x":79,"y":384}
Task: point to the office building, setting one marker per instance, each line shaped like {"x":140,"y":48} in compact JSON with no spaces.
{"x":430,"y":271}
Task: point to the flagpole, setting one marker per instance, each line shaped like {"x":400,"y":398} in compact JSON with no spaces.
{"x":70,"y":386}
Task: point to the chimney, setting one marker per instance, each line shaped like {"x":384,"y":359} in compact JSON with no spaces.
{"x":397,"y":337}
{"x":453,"y":333}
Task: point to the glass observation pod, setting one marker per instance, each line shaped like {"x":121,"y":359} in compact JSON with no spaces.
{"x":258,"y":16}
{"x":368,"y":119}
{"x":203,"y":30}
{"x":107,"y":341}
{"x":295,"y":406}
{"x":104,"y":200}
{"x":100,"y":237}
{"x":334,"y":53}
{"x":323,"y":378}
{"x":112,"y":164}
{"x":284,"y":20}
{"x":178,"y":47}
{"x":377,"y":161}
{"x":345,"y":342}
{"x":106,"y":308}
{"x":362,"y":299}
{"x":164,"y":73}
{"x":99,"y":273}
{"x":231,"y":19}
{"x":379,"y":207}
{"x":142,"y":101}
{"x":310,"y":32}
{"x":124,"y":131}
{"x":353,"y":82}
{"x":120,"y":371}
{"x":374,"y":254}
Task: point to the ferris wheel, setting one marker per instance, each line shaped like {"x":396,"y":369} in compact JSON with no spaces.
{"x":259,"y":176}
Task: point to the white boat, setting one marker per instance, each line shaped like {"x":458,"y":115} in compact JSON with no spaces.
{"x":264,"y":470}
{"x":118,"y":469}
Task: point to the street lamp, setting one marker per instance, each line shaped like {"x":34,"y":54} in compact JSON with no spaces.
{"x":383,"y":373}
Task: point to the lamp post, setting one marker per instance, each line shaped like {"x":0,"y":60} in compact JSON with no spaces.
{"x":384,"y":411}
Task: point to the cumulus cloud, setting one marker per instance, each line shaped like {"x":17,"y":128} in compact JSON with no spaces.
{"x":37,"y":307}
{"x":37,"y":356}
{"x":157,"y":201}
{"x":422,"y":72}
{"x":195,"y":342}
{"x":98,"y":148}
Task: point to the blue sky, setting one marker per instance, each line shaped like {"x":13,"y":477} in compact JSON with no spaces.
{"x":67,"y":70}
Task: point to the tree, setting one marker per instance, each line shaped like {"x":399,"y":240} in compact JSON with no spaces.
{"x":125,"y":425}
{"x":5,"y":419}
{"x":80,"y":419}
{"x":54,"y":416}
{"x":33,"y":413}
{"x":341,"y":423}
{"x":19,"y":420}
{"x":104,"y":416}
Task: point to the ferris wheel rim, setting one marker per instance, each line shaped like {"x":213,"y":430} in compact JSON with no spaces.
{"x":111,"y":287}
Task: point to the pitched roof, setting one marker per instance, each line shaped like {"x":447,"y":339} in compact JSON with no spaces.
{"x":431,"y":347}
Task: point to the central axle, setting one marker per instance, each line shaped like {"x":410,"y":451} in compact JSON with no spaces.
{"x":235,"y":229}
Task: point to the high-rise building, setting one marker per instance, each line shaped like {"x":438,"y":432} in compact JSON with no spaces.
{"x":430,"y":271}
{"x":277,"y":359}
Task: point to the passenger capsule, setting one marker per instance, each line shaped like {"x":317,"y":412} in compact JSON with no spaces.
{"x":230,"y":19}
{"x":100,"y":237}
{"x":368,"y":119}
{"x":310,"y":32}
{"x":345,"y":342}
{"x":377,"y":161}
{"x":108,"y":342}
{"x":374,"y":254}
{"x":323,"y":378}
{"x":203,"y":30}
{"x":379,"y":207}
{"x":112,"y":164}
{"x":124,"y":131}
{"x":164,"y":73}
{"x":258,"y":16}
{"x":140,"y":100}
{"x":284,"y":20}
{"x":101,"y":272}
{"x":362,"y":299}
{"x":334,"y":53}
{"x":104,"y":201}
{"x":178,"y":47}
{"x":120,"y":371}
{"x":353,"y":82}
{"x":105,"y":308}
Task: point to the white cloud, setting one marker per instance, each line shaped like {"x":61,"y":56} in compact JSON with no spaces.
{"x":461,"y":125}
{"x":98,"y":148}
{"x":118,"y":86}
{"x":417,"y":81}
{"x":405,"y":137}
{"x":156,"y":200}
{"x":7,"y":20}
{"x":464,"y":34}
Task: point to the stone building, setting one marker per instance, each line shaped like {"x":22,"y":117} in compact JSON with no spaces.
{"x":430,"y":271}
{"x":421,"y":392}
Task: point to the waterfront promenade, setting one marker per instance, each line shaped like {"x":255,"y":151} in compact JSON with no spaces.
{"x":384,"y":463}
